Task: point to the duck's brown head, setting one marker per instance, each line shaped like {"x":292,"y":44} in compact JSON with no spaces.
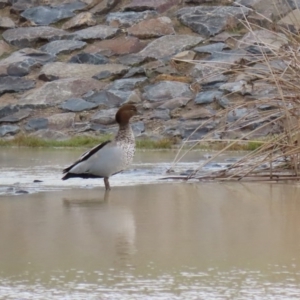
{"x":124,"y":114}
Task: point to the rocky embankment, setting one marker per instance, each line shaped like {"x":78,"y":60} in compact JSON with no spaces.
{"x":67,"y":65}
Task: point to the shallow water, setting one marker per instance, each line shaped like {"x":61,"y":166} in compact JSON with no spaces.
{"x":146,"y":241}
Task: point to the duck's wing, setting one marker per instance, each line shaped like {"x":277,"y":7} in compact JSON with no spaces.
{"x":86,"y":155}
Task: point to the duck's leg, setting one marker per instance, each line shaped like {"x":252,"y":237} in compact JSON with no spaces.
{"x":106,"y":183}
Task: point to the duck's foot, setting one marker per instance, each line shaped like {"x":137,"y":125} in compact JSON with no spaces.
{"x":106,"y":183}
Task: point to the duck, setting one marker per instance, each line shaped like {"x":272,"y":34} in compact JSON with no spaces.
{"x":110,"y":157}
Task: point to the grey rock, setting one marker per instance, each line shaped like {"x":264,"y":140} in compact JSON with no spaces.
{"x":61,"y":121}
{"x":16,"y":117}
{"x":9,"y":130}
{"x":138,"y":128}
{"x":169,"y":45}
{"x":160,"y":114}
{"x":239,"y":113}
{"x":127,"y":84}
{"x":6,"y":23}
{"x":89,"y":58}
{"x":9,"y":84}
{"x":104,"y":116}
{"x":36,"y":124}
{"x":175,"y":103}
{"x":80,"y":20}
{"x":166,"y":90}
{"x":135,"y":71}
{"x":66,"y":70}
{"x":105,"y":98}
{"x":129,"y":18}
{"x":223,"y":102}
{"x":97,"y":32}
{"x":213,"y":80}
{"x":125,"y":96}
{"x":207,"y":97}
{"x":56,"y":92}
{"x":211,"y":48}
{"x":21,"y":62}
{"x":199,"y":113}
{"x":188,"y":129}
{"x":48,"y":134}
{"x":77,"y":104}
{"x":103,"y":75}
{"x":26,"y":36}
{"x":45,"y":15}
{"x":210,"y":20}
{"x":62,"y":46}
{"x":240,"y":86}
{"x":8,"y":110}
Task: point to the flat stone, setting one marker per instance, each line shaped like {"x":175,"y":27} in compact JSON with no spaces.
{"x":26,"y":36}
{"x":66,"y":70}
{"x":9,"y":130}
{"x":103,"y":75}
{"x":9,"y":84}
{"x":211,"y":48}
{"x":223,"y":102}
{"x":4,"y":48}
{"x":266,"y":38}
{"x":48,"y":134}
{"x":104,"y":7}
{"x":105,"y":116}
{"x":21,"y":62}
{"x":89,"y":58}
{"x":157,"y":5}
{"x":167,"y":46}
{"x":152,"y":28}
{"x":16,"y":117}
{"x":105,"y":98}
{"x":166,"y":90}
{"x":127,"y":84}
{"x":62,"y":46}
{"x":126,"y":19}
{"x":56,"y":92}
{"x":118,"y":46}
{"x":160,"y":114}
{"x":61,"y":121}
{"x":8,"y":110}
{"x":46,"y":15}
{"x":175,"y":103}
{"x":83,"y":19}
{"x":239,"y":113}
{"x":208,"y":97}
{"x":126,"y":96}
{"x":188,"y":129}
{"x":36,"y":124}
{"x":77,"y":104}
{"x":98,"y":32}
{"x":210,"y":20}
{"x":199,"y":113}
{"x":7,"y":23}
{"x":241,"y":87}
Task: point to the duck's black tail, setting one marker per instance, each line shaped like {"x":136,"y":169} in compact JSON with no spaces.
{"x":82,"y":175}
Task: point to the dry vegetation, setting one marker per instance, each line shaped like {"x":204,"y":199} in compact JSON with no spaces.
{"x":276,"y":157}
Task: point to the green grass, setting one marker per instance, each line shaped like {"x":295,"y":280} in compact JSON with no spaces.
{"x":78,"y":141}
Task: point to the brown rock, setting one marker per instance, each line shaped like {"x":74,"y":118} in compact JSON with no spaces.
{"x":80,"y":20}
{"x":4,"y":48}
{"x":120,"y":46}
{"x":152,"y":28}
{"x":61,"y":121}
{"x":158,"y":5}
{"x":6,"y":23}
{"x":104,"y":6}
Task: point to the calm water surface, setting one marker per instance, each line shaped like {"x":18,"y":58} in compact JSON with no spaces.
{"x":144,"y":241}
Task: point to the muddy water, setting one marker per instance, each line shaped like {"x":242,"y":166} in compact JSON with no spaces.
{"x":146,"y":241}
